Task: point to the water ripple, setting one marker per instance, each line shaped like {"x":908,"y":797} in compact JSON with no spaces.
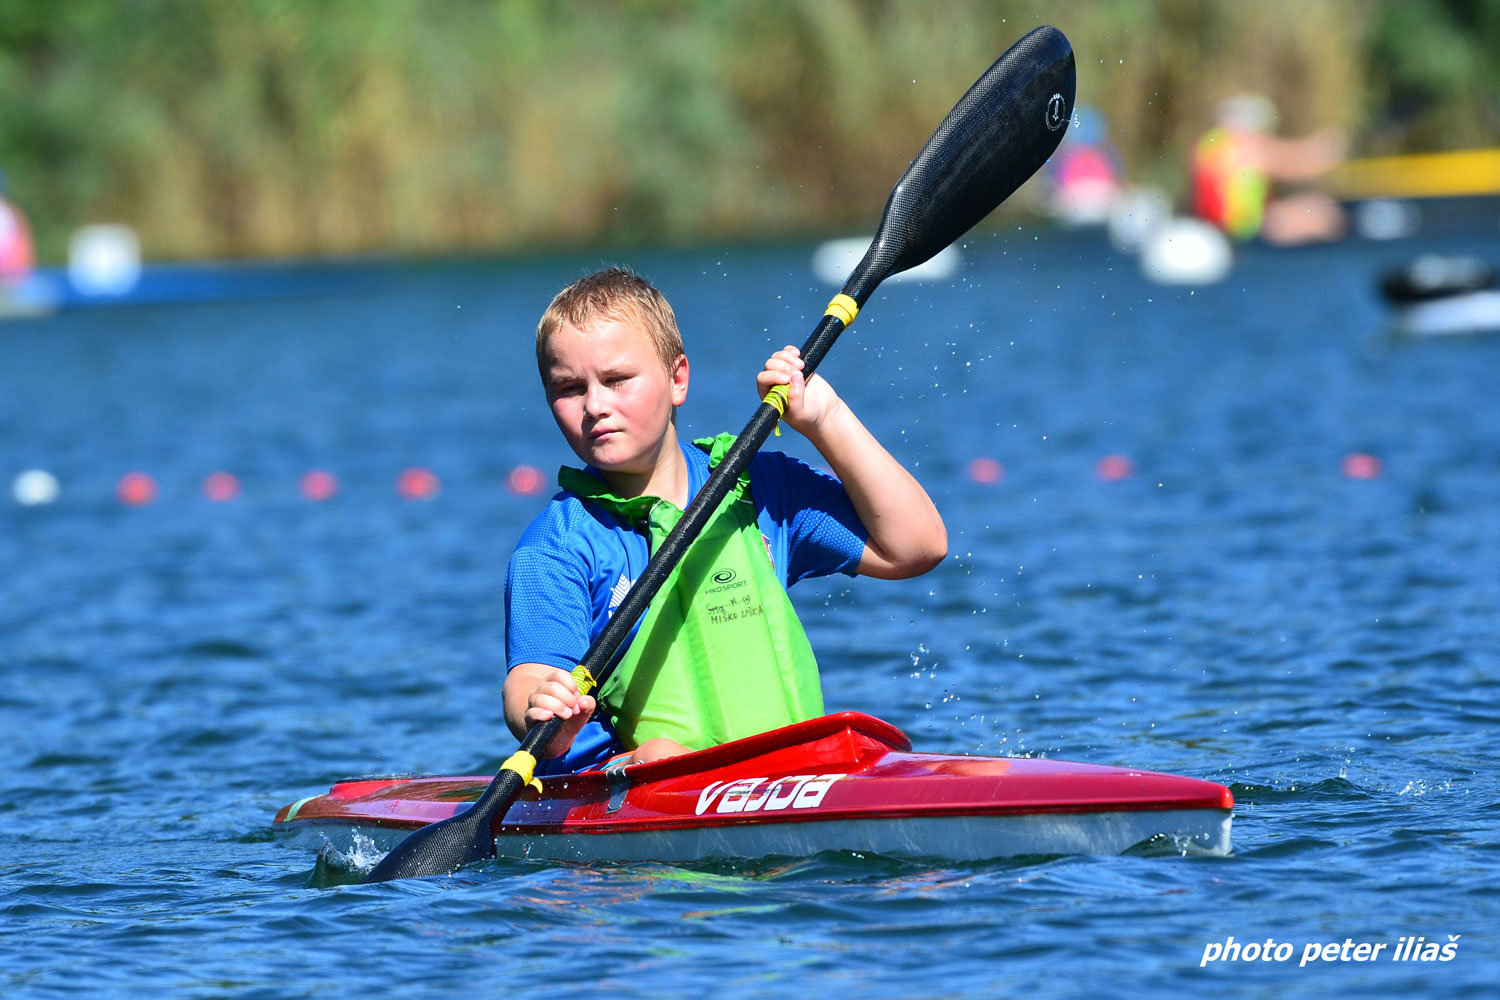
{"x":1236,"y":610}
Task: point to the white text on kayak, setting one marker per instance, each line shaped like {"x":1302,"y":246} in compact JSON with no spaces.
{"x":797,"y":791}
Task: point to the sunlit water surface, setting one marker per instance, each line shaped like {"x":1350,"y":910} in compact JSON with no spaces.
{"x":1237,"y":609}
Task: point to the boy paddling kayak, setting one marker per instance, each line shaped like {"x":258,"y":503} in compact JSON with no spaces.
{"x":997,"y":135}
{"x":719,"y":654}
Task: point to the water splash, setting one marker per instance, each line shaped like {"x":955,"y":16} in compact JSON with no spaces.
{"x":362,"y":856}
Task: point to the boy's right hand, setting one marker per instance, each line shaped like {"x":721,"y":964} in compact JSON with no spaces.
{"x":557,"y":695}
{"x":809,"y":401}
{"x":534,"y":693}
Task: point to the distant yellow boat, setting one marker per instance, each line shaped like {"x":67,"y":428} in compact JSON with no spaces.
{"x":1421,"y":175}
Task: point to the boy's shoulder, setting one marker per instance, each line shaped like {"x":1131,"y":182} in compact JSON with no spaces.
{"x":566,"y":522}
{"x":763,"y":463}
{"x":788,"y":471}
{"x":776,"y":478}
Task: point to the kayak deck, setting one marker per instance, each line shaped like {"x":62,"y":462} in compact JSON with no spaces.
{"x":840,"y":782}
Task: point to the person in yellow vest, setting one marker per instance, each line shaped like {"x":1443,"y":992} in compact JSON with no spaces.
{"x":1237,"y":162}
{"x":719,"y":654}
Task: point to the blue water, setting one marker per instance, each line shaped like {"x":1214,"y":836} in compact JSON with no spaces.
{"x":1237,"y":609}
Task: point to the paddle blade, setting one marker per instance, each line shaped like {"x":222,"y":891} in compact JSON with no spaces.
{"x":996,"y":136}
{"x":443,"y":848}
{"x":439,"y":849}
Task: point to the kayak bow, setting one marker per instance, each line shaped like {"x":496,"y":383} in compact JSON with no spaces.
{"x":846,"y":782}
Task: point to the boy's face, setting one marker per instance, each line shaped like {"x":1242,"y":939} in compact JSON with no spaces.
{"x":610,"y":395}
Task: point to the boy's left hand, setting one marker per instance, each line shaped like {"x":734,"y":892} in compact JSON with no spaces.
{"x":809,"y":401}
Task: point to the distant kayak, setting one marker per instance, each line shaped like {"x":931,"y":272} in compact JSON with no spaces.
{"x":846,"y":782}
{"x":1437,"y":295}
{"x":1437,"y":276}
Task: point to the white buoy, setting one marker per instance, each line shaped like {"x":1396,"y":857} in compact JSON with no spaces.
{"x":1135,"y":215}
{"x":833,"y":261}
{"x":104,"y":260}
{"x":1387,"y":219}
{"x":1186,"y":252}
{"x":35,"y":487}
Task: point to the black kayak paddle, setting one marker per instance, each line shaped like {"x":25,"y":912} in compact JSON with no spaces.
{"x":996,"y":136}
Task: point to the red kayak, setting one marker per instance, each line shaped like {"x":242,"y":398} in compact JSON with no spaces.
{"x":846,"y":782}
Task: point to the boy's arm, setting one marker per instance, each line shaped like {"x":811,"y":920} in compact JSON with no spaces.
{"x":546,"y":614}
{"x":906,"y":536}
{"x":534,"y":693}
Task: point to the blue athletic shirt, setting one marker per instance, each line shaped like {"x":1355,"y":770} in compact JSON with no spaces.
{"x":575,"y":562}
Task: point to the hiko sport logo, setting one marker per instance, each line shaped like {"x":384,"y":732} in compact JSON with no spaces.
{"x":1057,"y":113}
{"x":725,"y":579}
{"x":798,"y":791}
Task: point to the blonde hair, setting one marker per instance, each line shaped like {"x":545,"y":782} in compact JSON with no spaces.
{"x":615,"y":293}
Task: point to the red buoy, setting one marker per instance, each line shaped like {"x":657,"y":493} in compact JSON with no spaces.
{"x":318,"y":485}
{"x":1359,"y":465}
{"x":525,"y":480}
{"x":136,"y":489}
{"x":986,"y":470}
{"x":1113,"y":468}
{"x":418,"y":484}
{"x":220,"y":487}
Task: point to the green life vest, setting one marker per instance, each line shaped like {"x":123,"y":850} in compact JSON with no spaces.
{"x":719,"y":654}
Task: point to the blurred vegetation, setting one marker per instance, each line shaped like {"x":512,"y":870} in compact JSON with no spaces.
{"x":301,"y":127}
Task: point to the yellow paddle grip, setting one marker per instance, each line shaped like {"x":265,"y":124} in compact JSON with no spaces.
{"x":843,"y":308}
{"x":586,"y":682}
{"x":523,"y":764}
{"x":777,"y":398}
